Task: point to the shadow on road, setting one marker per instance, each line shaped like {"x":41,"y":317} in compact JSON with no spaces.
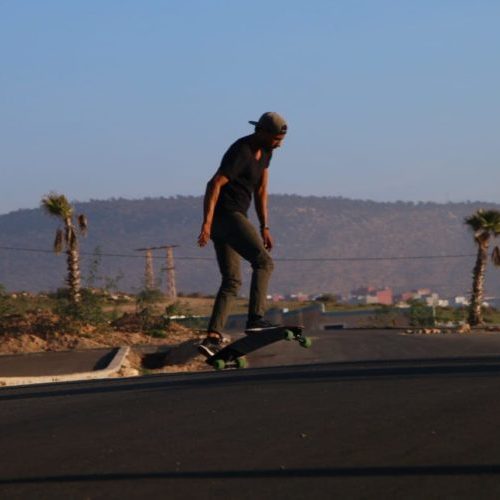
{"x":424,"y":470}
{"x":372,"y":370}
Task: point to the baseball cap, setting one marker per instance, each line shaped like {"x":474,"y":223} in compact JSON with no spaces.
{"x":272,"y":122}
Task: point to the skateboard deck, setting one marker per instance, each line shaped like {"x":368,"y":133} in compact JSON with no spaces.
{"x":233,"y":355}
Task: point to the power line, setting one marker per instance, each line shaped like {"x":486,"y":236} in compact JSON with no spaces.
{"x":409,"y":257}
{"x":282,"y":259}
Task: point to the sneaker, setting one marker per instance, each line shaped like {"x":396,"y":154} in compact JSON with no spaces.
{"x":260,"y":325}
{"x":212,"y":344}
{"x":208,"y":351}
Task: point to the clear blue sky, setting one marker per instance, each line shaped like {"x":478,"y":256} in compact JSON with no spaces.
{"x":385,"y":100}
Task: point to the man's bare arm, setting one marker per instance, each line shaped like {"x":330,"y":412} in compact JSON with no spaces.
{"x":261,"y":209}
{"x":211,"y":196}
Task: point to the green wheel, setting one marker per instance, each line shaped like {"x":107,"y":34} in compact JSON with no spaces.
{"x":305,"y":342}
{"x":219,"y":364}
{"x":241,"y":363}
{"x":289,"y":335}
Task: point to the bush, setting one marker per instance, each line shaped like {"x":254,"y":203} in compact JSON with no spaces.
{"x":5,"y":305}
{"x":60,"y":293}
{"x":89,"y":310}
{"x":149,"y":296}
{"x":420,"y":314}
{"x":177,"y":309}
{"x":157,"y":333}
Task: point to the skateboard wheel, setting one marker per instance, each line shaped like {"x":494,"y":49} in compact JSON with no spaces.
{"x":241,"y":363}
{"x":305,"y":342}
{"x":289,"y":335}
{"x":219,"y":364}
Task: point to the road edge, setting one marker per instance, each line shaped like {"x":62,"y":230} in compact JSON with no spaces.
{"x":113,"y":367}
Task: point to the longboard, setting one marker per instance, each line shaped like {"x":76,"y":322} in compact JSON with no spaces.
{"x":233,"y":355}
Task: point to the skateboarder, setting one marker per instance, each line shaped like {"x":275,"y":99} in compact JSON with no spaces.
{"x":243,"y":172}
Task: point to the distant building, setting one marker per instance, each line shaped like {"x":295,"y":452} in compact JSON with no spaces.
{"x":406,"y":296}
{"x":298,"y":297}
{"x":276,"y":297}
{"x":460,"y":301}
{"x":431,"y":299}
{"x":493,"y":301}
{"x":370,"y":295}
{"x":362,"y":291}
{"x":385,"y":297}
{"x":425,"y":295}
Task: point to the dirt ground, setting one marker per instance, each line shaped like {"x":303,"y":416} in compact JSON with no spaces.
{"x":22,"y":337}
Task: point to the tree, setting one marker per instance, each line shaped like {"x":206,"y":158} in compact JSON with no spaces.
{"x":485,"y":224}
{"x":66,"y":238}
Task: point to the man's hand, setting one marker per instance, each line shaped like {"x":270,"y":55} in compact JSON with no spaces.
{"x":266,"y":238}
{"x":204,"y":236}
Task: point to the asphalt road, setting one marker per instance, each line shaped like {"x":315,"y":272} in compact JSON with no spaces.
{"x":369,"y":345}
{"x":426,"y":428}
{"x":54,"y":363}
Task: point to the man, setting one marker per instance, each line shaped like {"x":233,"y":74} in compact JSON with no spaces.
{"x":243,"y":172}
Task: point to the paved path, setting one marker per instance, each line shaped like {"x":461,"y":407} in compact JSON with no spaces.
{"x":403,"y":429}
{"x":365,"y":345}
{"x":54,"y":363}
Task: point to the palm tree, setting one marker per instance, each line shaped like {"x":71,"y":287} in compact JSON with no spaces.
{"x":66,"y":238}
{"x":485,"y":224}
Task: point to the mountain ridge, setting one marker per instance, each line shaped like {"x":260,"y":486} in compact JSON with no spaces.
{"x":316,"y":227}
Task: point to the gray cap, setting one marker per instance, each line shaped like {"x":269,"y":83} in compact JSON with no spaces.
{"x":272,"y":122}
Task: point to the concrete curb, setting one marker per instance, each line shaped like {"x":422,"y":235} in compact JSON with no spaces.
{"x":112,"y":368}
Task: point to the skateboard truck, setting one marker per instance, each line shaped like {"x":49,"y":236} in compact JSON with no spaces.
{"x":295,"y":335}
{"x":220,"y":364}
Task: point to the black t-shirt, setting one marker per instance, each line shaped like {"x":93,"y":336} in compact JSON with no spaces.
{"x":244,"y":173}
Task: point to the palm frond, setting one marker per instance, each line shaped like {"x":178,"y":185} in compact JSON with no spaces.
{"x":59,"y":241}
{"x":475,"y":221}
{"x":57,"y":205}
{"x":484,"y":223}
{"x":83,"y":224}
{"x":495,"y":256}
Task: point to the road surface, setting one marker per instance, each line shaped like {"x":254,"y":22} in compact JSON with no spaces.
{"x":400,"y":429}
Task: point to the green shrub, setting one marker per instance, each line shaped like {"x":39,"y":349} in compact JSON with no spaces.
{"x":157,"y":333}
{"x":5,"y":305}
{"x":149,"y":296}
{"x":420,"y":314}
{"x":88,"y":310}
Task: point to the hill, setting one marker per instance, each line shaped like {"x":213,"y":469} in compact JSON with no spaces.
{"x":303,"y":227}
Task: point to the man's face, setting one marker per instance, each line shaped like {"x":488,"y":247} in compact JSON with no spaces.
{"x":269,"y":140}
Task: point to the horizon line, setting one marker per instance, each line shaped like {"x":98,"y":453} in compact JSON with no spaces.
{"x":338,"y":197}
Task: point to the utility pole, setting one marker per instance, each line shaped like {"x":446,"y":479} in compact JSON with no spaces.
{"x":149,"y":279}
{"x":171,"y":291}
{"x":171,"y":285}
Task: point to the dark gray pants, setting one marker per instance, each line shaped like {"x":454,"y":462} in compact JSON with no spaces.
{"x":235,"y":237}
